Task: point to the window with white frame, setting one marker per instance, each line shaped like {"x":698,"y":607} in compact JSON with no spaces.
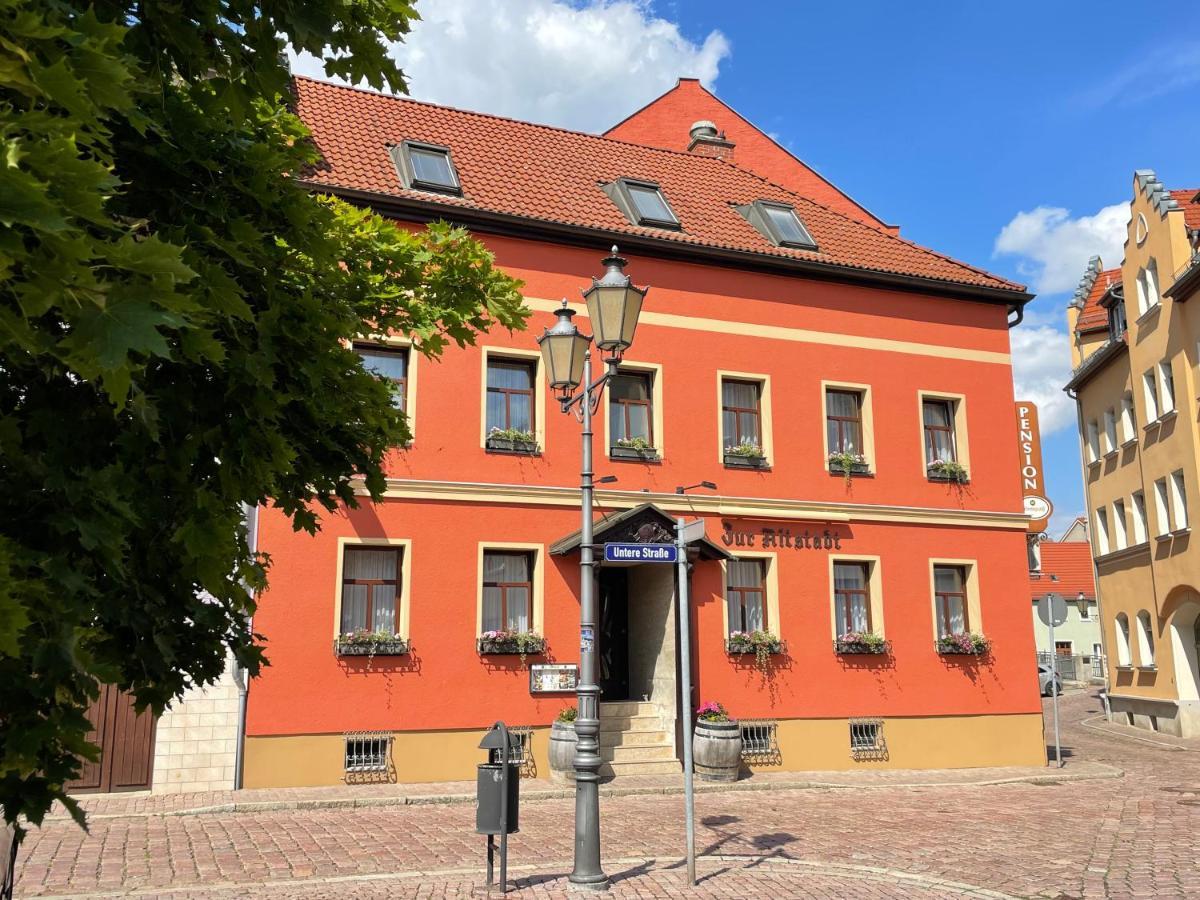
{"x":1162,"y":508}
{"x":1119,"y":524}
{"x":1140,"y":533}
{"x":1128,"y":418}
{"x":507,"y":590}
{"x":1124,"y":658}
{"x":1101,"y":531}
{"x":1167,"y":394}
{"x":1110,"y":431}
{"x":1093,"y":441}
{"x":746,"y":594}
{"x":1145,"y":640}
{"x":371,"y":585}
{"x":1179,"y":511}
{"x":1151,"y":389}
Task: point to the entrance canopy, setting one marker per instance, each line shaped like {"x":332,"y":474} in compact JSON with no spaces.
{"x":644,"y":524}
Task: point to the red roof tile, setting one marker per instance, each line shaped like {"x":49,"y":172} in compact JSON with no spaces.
{"x":549,"y":174}
{"x":1093,"y":316}
{"x":1191,"y":206}
{"x":1066,"y":569}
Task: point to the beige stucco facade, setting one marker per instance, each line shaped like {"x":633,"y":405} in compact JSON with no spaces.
{"x":1140,"y":446}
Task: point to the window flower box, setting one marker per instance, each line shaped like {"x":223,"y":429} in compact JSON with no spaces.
{"x":510,"y":643}
{"x":963,"y":645}
{"x":848,"y":464}
{"x":632,"y":448}
{"x":745,"y":456}
{"x":762,"y":644}
{"x":947,"y":470}
{"x":511,"y":440}
{"x":861,"y":642}
{"x":370,"y":643}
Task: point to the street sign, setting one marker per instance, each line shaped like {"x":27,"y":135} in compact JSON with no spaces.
{"x":639,"y":553}
{"x":1052,"y":610}
{"x":692,"y":531}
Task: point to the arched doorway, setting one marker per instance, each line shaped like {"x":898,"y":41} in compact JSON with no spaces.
{"x":1185,"y":644}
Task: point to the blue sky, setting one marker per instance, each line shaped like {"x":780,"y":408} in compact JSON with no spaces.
{"x":1003,"y":134}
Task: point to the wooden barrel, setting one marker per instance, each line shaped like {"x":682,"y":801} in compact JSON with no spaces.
{"x":717,"y":750}
{"x":562,"y":751}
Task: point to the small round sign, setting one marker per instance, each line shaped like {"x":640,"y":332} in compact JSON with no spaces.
{"x":1038,"y":507}
{"x":1052,"y":610}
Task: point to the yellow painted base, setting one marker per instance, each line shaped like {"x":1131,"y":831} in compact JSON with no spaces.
{"x":947,"y":742}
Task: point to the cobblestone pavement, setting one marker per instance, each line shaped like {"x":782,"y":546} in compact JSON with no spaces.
{"x":1136,"y":836}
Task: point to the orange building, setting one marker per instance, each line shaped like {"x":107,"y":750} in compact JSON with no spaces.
{"x":849,"y":393}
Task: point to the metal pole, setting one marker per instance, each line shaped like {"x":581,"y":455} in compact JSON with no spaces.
{"x":503,"y":808}
{"x":1054,"y":687}
{"x":685,"y":667}
{"x":587,"y":871}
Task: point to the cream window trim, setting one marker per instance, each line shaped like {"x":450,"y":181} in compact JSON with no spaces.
{"x":1121,"y":634}
{"x":392,"y":342}
{"x":1140,"y":528}
{"x":974,"y":607}
{"x":405,"y":577}
{"x":1179,"y":506}
{"x":770,"y":579}
{"x":874,"y":587}
{"x":539,"y":390}
{"x":867,"y":413}
{"x":655,"y":371}
{"x":1145,"y":640}
{"x":764,"y":412}
{"x":962,"y":444}
{"x":536,"y":576}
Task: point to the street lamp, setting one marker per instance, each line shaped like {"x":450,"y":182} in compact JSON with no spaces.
{"x":614,"y":304}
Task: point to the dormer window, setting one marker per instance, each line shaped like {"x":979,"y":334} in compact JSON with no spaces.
{"x":426,"y":167}
{"x":778,"y":223}
{"x":642,"y":202}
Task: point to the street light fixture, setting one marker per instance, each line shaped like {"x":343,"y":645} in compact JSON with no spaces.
{"x":614,"y":304}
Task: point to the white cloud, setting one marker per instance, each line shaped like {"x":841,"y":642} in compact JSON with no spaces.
{"x":1041,"y":366}
{"x":583,"y":65}
{"x":1162,"y":70}
{"x":1055,"y":247}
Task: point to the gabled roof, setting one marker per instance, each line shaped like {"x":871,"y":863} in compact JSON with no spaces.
{"x":1094,"y":286}
{"x":667,"y":120}
{"x":537,"y":174}
{"x":1066,"y":570}
{"x":644,"y":524}
{"x":1189,"y":200}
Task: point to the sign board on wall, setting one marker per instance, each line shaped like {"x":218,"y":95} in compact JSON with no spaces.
{"x":1033,"y":486}
{"x":553,"y":678}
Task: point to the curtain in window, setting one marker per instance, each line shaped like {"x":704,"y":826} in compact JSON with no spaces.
{"x":354,"y":607}
{"x":843,"y":436}
{"x":390,"y":366}
{"x":952,"y":612}
{"x":850,"y":598}
{"x":741,"y":427}
{"x":939,"y":431}
{"x":506,"y":592}
{"x":369,"y":565}
{"x":746,"y":595}
{"x":629,"y":397}
{"x":951,"y":592}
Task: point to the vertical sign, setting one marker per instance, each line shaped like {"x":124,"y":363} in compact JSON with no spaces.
{"x":1033,"y":488}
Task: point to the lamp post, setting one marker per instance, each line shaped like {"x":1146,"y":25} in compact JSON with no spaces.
{"x":614,"y":305}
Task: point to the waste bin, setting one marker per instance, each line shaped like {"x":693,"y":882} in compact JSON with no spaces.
{"x":489,"y":784}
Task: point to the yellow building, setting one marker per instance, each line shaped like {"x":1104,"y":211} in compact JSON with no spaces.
{"x":1135,"y":352}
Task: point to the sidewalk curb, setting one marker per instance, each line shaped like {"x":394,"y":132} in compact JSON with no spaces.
{"x":1051,"y":776}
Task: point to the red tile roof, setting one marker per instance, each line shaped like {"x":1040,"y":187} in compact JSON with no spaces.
{"x":1066,"y":569}
{"x":539,"y":173}
{"x":1093,"y":316}
{"x":1190,"y":201}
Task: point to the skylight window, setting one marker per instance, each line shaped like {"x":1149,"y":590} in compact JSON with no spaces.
{"x":778,"y":223}
{"x":426,"y":167}
{"x":642,"y":202}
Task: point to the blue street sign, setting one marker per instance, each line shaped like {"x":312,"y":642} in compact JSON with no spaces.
{"x":639,"y":553}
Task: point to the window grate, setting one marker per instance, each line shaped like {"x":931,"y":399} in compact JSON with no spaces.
{"x":760,"y":744}
{"x":368,"y":751}
{"x":867,"y":740}
{"x":522,"y":752}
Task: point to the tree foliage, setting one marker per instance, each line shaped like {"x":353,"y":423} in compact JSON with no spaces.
{"x":175,"y":318}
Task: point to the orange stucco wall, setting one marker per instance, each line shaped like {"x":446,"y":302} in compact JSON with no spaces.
{"x":443,"y":683}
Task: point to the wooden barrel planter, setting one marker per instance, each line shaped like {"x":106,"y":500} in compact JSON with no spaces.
{"x":717,"y":750}
{"x":562,"y":751}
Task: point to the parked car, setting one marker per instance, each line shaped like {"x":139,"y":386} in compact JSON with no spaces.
{"x":1044,"y":676}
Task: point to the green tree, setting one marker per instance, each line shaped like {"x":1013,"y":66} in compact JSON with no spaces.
{"x":175,"y":318}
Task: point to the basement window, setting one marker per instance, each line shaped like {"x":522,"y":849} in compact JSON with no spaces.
{"x":367,"y":751}
{"x":760,"y":743}
{"x":778,"y":223}
{"x":866,"y":739}
{"x":426,"y":167}
{"x":642,"y":202}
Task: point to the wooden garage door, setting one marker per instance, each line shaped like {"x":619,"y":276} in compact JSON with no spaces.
{"x":126,"y":742}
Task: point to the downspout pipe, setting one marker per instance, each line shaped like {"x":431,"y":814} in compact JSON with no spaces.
{"x":239,"y":673}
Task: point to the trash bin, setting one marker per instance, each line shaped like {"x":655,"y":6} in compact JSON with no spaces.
{"x":489,"y":782}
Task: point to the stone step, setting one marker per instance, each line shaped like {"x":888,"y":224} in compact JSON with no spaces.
{"x":638,"y":754}
{"x":658,"y":767}
{"x":648,"y":738}
{"x":631,"y":723}
{"x":627,"y":708}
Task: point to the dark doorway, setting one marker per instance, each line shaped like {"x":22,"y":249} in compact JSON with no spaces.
{"x":613,"y":668}
{"x":126,"y":741}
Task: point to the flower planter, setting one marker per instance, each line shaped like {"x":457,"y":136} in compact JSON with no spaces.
{"x":717,"y":750}
{"x":951,"y":477}
{"x":979,"y":646}
{"x":649,"y":454}
{"x":745,"y":462}
{"x":744,"y":648}
{"x":510,"y":647}
{"x":855,"y":469}
{"x":562,"y":751}
{"x":370,"y":648}
{"x":852,"y":648}
{"x":505,"y":445}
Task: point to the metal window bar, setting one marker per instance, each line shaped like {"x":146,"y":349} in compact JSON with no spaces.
{"x":760,"y":743}
{"x":522,"y":754}
{"x":368,"y":751}
{"x":867,"y":740}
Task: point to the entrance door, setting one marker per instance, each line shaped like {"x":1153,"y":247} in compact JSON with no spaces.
{"x":126,"y":742}
{"x":613,"y":660}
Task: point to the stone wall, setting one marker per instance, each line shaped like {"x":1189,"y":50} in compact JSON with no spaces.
{"x":196,"y":741}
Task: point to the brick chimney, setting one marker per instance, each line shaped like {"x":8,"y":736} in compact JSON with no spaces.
{"x":706,"y":141}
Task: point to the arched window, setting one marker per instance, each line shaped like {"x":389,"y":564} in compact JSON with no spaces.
{"x":1122,"y":630}
{"x":1145,"y":640}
